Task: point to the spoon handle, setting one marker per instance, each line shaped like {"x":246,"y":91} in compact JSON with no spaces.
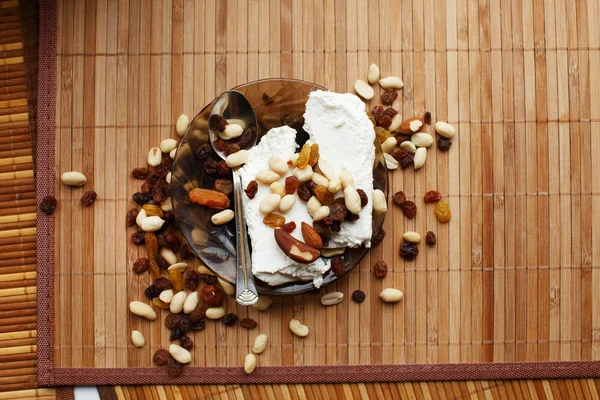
{"x":245,"y":289}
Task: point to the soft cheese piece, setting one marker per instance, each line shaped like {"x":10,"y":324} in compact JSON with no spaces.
{"x":339,"y":124}
{"x":269,"y":263}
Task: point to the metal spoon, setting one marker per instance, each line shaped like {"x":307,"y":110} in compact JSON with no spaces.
{"x":234,"y":105}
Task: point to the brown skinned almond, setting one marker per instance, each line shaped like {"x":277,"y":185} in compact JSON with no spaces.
{"x":311,"y":237}
{"x":410,"y":126}
{"x":295,"y":249}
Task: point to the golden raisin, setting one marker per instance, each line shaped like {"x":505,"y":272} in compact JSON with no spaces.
{"x":209,"y":198}
{"x":313,"y":158}
{"x":153,"y":210}
{"x":324,"y":195}
{"x":371,"y":117}
{"x":442,"y":211}
{"x":304,"y":156}
{"x":382,"y":134}
{"x":176,"y":278}
{"x":159,"y":303}
{"x":274,"y":220}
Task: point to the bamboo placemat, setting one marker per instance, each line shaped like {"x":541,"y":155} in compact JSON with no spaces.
{"x":526,"y":147}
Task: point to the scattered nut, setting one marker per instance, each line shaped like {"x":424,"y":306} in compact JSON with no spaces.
{"x":191,"y":302}
{"x":228,"y":288}
{"x":138,"y":339}
{"x":352,"y":199}
{"x":267,"y":176}
{"x":263,"y":302}
{"x":293,"y":159}
{"x":166,"y":296}
{"x":379,"y":201}
{"x":326,"y":169}
{"x":182,"y":124}
{"x":295,"y":249}
{"x":222,"y":217}
{"x":180,"y":266}
{"x":321,"y":213}
{"x":408,"y":146}
{"x":430,"y":238}
{"x":445,"y":129}
{"x":269,"y":204}
{"x":335,"y":185}
{"x":73,"y":178}
{"x":411,"y":237}
{"x":278,"y":165}
{"x":168,"y":255}
{"x":176,"y":305}
{"x":373,"y":74}
{"x":140,"y":217}
{"x":389,"y":145}
{"x":298,"y":329}
{"x":390,"y":162}
{"x":346,"y":179}
{"x":332,"y":252}
{"x":320,"y":179}
{"x":410,"y":126}
{"x":215,"y":313}
{"x":249,"y":363}
{"x":278,"y":188}
{"x":303,"y":174}
{"x":396,"y":122}
{"x":172,"y":155}
{"x":231,"y":131}
{"x":310,"y":236}
{"x":391,"y":295}
{"x":420,"y":156}
{"x":166,"y":205}
{"x":260,"y":344}
{"x":312,"y":205}
{"x":180,"y":354}
{"x":391,"y":82}
{"x":332,"y":298}
{"x":287,"y":202}
{"x":422,"y":139}
{"x":142,"y":310}
{"x":168,"y":145}
{"x":154,"y":157}
{"x":363,"y":89}
{"x":237,"y":159}
{"x":152,"y":224}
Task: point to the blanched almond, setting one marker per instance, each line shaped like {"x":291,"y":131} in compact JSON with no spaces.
{"x":277,"y":188}
{"x":389,"y":145}
{"x":420,"y":157}
{"x":321,"y":213}
{"x":269,"y":204}
{"x":191,"y":302}
{"x":180,"y":354}
{"x":445,"y":129}
{"x":169,"y":256}
{"x":352,"y":200}
{"x":137,"y":338}
{"x":142,"y":310}
{"x":326,"y":168}
{"x":408,"y":146}
{"x":391,"y":82}
{"x":390,"y":162}
{"x":166,"y":295}
{"x":154,"y":157}
{"x":167,"y":145}
{"x":298,"y":329}
{"x":177,"y":301}
{"x":411,"y":237}
{"x":267,"y":176}
{"x":312,"y":205}
{"x":278,"y":165}
{"x":287,"y":202}
{"x":422,"y":139}
{"x":379,"y":201}
{"x":231,"y":131}
{"x":396,"y":122}
{"x":222,"y":217}
{"x":391,"y":295}
{"x":228,"y":288}
{"x":373,"y":75}
{"x":73,"y":178}
{"x":249,"y":363}
{"x":347,"y":179}
{"x":215,"y":313}
{"x":181,"y":266}
{"x":320,"y":179}
{"x":152,"y":224}
{"x":303,"y":174}
{"x":335,"y":185}
{"x":236,"y":159}
{"x":260,"y":344}
{"x":140,"y":217}
{"x":363,"y":89}
{"x":182,"y":124}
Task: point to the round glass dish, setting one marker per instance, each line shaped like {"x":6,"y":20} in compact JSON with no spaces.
{"x":276,"y":102}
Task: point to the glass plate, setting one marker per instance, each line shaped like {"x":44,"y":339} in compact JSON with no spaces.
{"x":276,"y":102}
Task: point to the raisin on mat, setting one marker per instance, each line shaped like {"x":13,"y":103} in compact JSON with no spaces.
{"x":408,"y":251}
{"x":190,"y":280}
{"x":432,"y":196}
{"x":162,"y":263}
{"x":152,"y":291}
{"x":185,"y":324}
{"x":140,"y":173}
{"x":186,"y":343}
{"x":177,"y":333}
{"x":141,"y":198}
{"x":251,"y":189}
{"x":161,"y":357}
{"x":427,"y":117}
{"x":172,"y":321}
{"x":137,"y":237}
{"x":174,"y":368}
{"x":384,"y":121}
{"x":198,"y":314}
{"x":141,"y":265}
{"x":186,"y":252}
{"x":358,"y":296}
{"x":444,"y":144}
{"x":380,"y":269}
{"x":338,"y":266}
{"x":248,"y":323}
{"x":388,"y":96}
{"x":88,"y":198}
{"x":163,"y":283}
{"x":229,"y":319}
{"x":430,"y":238}
{"x":409,"y":208}
{"x":399,"y":198}
{"x":48,"y":205}
{"x":131,"y":216}
{"x":208,"y":279}
{"x":198,"y":326}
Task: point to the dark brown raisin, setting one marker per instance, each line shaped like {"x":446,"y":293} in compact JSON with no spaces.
{"x":231,"y":148}
{"x":185,"y":324}
{"x":162,"y":242}
{"x":405,"y":158}
{"x":220,"y":144}
{"x":391,"y":112}
{"x":212,"y":295}
{"x":152,"y":291}
{"x":141,"y":265}
{"x":408,"y":251}
{"x":169,"y":217}
{"x":351,"y":217}
{"x":190,"y":279}
{"x":160,"y":260}
{"x":304,"y":193}
{"x":291,"y":184}
{"x":251,"y":189}
{"x":145,"y":187}
{"x":209,"y":279}
{"x":159,"y":194}
{"x":186,"y":252}
{"x":161,"y":170}
{"x":171,"y":240}
{"x":399,"y":198}
{"x":322,"y":228}
{"x":289,"y":227}
{"x":176,"y":333}
{"x":88,"y":198}
{"x":364,"y":200}
{"x":358,"y":296}
{"x":433,"y":196}
{"x":131,"y":216}
{"x":210,"y":167}
{"x":203,"y":151}
{"x":140,"y":173}
{"x":198,"y":326}
{"x":337,"y":211}
{"x":338,"y":265}
{"x":444,"y":143}
{"x":430,"y":238}
{"x":378,"y":237}
{"x":172,"y":321}
{"x":380,"y":269}
{"x":141,"y":198}
{"x":248,"y":323}
{"x":167,"y":162}
{"x":137,"y":237}
{"x":186,"y":343}
{"x":294,"y":120}
{"x":229,"y":319}
{"x":409,"y":208}
{"x":427,"y":117}
{"x":161,"y":357}
{"x":377,"y":111}
{"x":245,"y":138}
{"x":328,"y":221}
{"x":223,"y":169}
{"x":388,"y":96}
{"x":224,"y":186}
{"x":384,"y":121}
{"x":174,"y":368}
{"x":198,"y":314}
{"x":163,"y":283}
{"x":336,"y":226}
{"x":217,"y":123}
{"x":311,"y":186}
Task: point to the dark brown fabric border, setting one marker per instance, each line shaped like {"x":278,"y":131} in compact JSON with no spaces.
{"x":65,"y":393}
{"x":44,"y":157}
{"x":107,"y":393}
{"x":49,"y":376}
